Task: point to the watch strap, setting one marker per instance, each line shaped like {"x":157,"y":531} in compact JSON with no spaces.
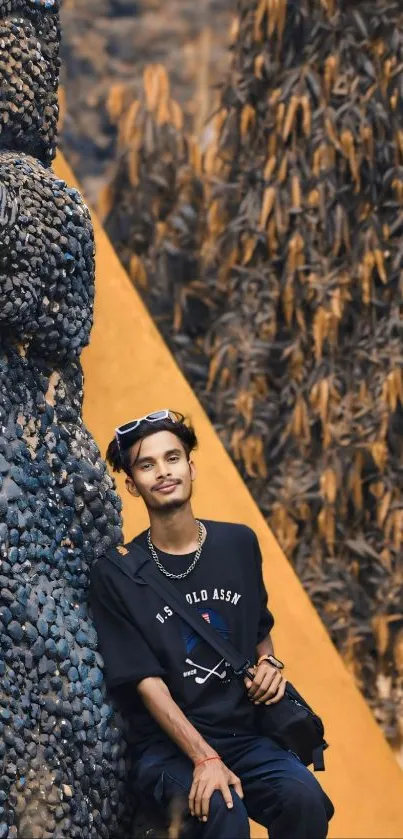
{"x":275,"y":662}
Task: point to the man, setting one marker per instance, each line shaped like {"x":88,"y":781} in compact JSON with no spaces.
{"x":192,"y":720}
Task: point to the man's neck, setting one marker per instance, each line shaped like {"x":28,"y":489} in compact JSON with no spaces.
{"x":175,"y":533}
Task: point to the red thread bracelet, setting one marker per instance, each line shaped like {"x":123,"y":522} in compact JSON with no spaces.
{"x":199,"y":762}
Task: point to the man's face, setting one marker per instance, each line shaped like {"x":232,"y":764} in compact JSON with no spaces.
{"x":162,"y":473}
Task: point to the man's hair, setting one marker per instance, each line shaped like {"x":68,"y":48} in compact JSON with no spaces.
{"x":118,"y":455}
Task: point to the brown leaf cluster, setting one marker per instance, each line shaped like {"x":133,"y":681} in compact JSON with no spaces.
{"x":108,"y":43}
{"x":155,"y":206}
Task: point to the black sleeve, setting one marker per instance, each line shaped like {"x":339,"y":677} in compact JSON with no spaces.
{"x":266,"y":619}
{"x":125,"y":652}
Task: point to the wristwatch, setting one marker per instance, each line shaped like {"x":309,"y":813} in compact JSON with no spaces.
{"x":275,"y":662}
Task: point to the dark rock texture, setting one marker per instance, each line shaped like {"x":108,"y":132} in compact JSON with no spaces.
{"x":61,"y":750}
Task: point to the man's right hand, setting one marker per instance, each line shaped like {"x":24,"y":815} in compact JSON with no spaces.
{"x":208,"y":777}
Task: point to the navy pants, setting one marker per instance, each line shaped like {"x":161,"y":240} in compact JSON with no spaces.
{"x":279,"y":791}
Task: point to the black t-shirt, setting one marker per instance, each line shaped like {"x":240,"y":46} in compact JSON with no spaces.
{"x":140,"y":636}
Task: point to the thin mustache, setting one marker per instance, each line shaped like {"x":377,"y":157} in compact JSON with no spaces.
{"x":166,"y":483}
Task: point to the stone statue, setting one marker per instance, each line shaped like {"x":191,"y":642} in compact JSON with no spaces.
{"x":61,"y":749}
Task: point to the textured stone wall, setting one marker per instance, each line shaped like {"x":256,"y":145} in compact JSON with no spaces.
{"x":61,"y":750}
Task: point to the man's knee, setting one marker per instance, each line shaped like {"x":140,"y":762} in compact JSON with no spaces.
{"x":308,"y":800}
{"x":233,"y":821}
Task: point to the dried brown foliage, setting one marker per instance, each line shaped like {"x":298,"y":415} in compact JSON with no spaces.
{"x":154,"y":209}
{"x":109,"y":42}
{"x":287,"y":238}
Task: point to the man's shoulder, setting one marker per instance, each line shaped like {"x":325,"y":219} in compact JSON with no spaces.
{"x":140,"y":539}
{"x":231,"y":529}
{"x":119,"y":556}
{"x":126,"y":548}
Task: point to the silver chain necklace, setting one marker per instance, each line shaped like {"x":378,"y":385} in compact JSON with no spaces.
{"x":191,"y":567}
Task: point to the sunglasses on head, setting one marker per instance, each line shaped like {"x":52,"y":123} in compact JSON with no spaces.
{"x":155,"y":416}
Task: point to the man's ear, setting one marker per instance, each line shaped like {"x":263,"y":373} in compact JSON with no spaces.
{"x":131,"y":487}
{"x":192,"y":470}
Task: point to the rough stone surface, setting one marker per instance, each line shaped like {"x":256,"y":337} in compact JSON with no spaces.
{"x":60,"y":744}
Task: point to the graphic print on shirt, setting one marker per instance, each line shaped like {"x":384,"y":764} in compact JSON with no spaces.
{"x":198,"y":672}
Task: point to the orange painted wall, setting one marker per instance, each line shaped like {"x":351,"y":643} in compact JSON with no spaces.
{"x":129,"y":371}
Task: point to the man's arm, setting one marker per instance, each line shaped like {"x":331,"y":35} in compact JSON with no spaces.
{"x":265,"y":647}
{"x":210,"y":773}
{"x":268,"y":685}
{"x":159,"y":703}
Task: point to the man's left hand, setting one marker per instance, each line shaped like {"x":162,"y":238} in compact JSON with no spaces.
{"x":268,"y":685}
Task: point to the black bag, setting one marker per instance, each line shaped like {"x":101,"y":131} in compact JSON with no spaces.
{"x":290,"y":722}
{"x":295,"y":726}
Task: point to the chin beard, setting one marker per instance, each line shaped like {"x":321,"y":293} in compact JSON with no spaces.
{"x":171,"y":505}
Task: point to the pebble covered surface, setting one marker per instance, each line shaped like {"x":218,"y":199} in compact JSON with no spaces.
{"x":62,"y":753}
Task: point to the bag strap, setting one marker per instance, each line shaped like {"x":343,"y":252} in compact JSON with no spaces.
{"x":149,"y":573}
